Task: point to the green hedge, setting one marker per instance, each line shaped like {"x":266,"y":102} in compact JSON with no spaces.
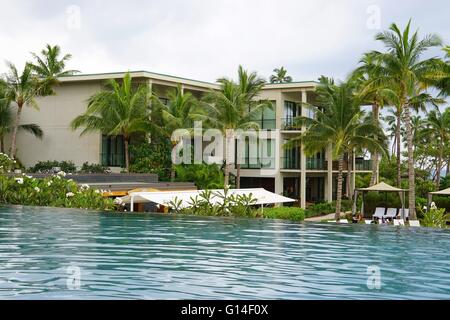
{"x":442,"y":202}
{"x":47,"y":166}
{"x":288,"y":213}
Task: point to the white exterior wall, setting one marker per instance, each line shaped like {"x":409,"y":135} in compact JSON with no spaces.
{"x":54,"y":116}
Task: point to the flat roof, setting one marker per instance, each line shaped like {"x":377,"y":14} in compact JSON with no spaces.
{"x":176,"y":79}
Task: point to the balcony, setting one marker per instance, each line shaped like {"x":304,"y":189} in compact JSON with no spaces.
{"x":268,"y":124}
{"x":363,"y":165}
{"x":290,"y":163}
{"x":315,"y":164}
{"x":258,"y":163}
{"x":289,"y":124}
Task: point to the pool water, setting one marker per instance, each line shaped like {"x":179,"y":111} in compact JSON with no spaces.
{"x":49,"y":253}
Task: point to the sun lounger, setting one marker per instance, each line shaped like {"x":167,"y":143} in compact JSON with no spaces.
{"x":368,"y":221}
{"x":391,"y":213}
{"x":343,"y":221}
{"x":399,"y":222}
{"x":414,"y":223}
{"x":379,"y":213}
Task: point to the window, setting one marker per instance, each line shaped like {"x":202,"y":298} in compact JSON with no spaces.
{"x":266,"y":117}
{"x":113,"y":151}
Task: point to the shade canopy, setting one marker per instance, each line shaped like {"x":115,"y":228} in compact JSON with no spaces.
{"x":165,"y":198}
{"x":382,"y":187}
{"x":442,"y":192}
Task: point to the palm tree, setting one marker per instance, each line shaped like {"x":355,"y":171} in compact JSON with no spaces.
{"x":371,"y":91}
{"x":49,"y":67}
{"x":232,"y":108}
{"x":339,"y":121}
{"x":437,"y":126}
{"x":20,"y":89}
{"x":402,"y":65}
{"x":178,"y":113}
{"x":280,"y":76}
{"x":6,"y":124}
{"x":119,"y":109}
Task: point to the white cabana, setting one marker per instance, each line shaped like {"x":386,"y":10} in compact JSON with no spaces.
{"x":164,"y":198}
{"x":445,"y":192}
{"x":380,"y":187}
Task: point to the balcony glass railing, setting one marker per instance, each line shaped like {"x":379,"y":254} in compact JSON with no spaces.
{"x":315,"y":164}
{"x":362,"y":164}
{"x":267,"y":124}
{"x":290,"y":124}
{"x":290,"y":163}
{"x":258,"y":163}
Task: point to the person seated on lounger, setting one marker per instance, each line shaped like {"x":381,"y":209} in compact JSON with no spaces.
{"x":357,"y":218}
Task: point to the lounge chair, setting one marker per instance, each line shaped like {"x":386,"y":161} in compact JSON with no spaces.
{"x":379,"y":213}
{"x":414,"y":223}
{"x":368,"y":221}
{"x":343,"y":221}
{"x":391,"y":213}
{"x":399,"y":222}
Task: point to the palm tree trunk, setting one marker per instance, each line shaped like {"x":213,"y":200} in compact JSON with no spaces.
{"x":411,"y":174}
{"x":2,"y":144}
{"x":228,"y":142}
{"x":350,"y":174}
{"x":398,"y":141}
{"x":12,"y":150}
{"x":439,"y":168}
{"x":339,"y":188}
{"x":238,"y":176}
{"x":127,"y":155}
{"x":374,"y":178}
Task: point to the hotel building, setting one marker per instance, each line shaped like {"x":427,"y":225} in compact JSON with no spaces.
{"x":289,"y":172}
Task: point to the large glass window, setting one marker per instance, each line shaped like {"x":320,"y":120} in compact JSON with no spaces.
{"x":291,"y":111}
{"x":266,"y":117}
{"x":113,"y":151}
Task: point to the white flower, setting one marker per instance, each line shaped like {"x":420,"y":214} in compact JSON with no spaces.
{"x":97,"y":191}
{"x":49,"y":183}
{"x":19,"y":180}
{"x":69,"y":194}
{"x":61,"y":174}
{"x":37,"y":189}
{"x":84,"y":186}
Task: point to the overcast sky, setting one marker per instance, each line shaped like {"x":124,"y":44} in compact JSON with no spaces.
{"x":207,"y":39}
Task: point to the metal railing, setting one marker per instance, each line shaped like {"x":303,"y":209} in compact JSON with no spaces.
{"x":315,"y":164}
{"x":290,"y":163}
{"x":290,"y":124}
{"x":258,"y":163}
{"x":362,"y":164}
{"x":266,"y":123}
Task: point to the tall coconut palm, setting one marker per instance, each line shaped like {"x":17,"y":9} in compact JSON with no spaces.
{"x":49,"y":66}
{"x":339,"y":121}
{"x":231,"y":108}
{"x":178,"y":113}
{"x":404,"y":66}
{"x":374,"y":92}
{"x":280,"y":76}
{"x":119,"y":109}
{"x":7,"y":121}
{"x":21,"y":90}
{"x":437,"y":126}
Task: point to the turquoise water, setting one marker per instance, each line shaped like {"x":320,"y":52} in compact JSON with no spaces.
{"x":173,"y":257}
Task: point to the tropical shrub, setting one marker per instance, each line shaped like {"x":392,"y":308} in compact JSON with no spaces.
{"x":47,"y":166}
{"x":53,"y":191}
{"x":229,"y":205}
{"x":205,"y":176}
{"x":151,"y":158}
{"x":445,"y":182}
{"x":6,"y":163}
{"x":442,"y":202}
{"x":436,"y":218}
{"x":288,"y":213}
{"x":93,"y":168}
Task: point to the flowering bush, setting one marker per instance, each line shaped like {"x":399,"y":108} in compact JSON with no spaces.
{"x":52,"y":191}
{"x":6,"y":163}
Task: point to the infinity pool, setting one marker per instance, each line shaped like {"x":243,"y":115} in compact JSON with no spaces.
{"x":71,"y":254}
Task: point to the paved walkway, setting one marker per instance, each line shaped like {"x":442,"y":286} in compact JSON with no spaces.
{"x":325,"y":217}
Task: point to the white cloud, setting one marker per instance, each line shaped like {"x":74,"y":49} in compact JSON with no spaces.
{"x":208,"y":39}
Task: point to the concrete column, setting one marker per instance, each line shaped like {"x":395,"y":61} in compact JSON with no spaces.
{"x":329,"y":180}
{"x":182,"y":88}
{"x":353,"y":181}
{"x":303,"y":160}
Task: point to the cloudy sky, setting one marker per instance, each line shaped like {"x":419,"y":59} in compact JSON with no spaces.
{"x":207,"y":39}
